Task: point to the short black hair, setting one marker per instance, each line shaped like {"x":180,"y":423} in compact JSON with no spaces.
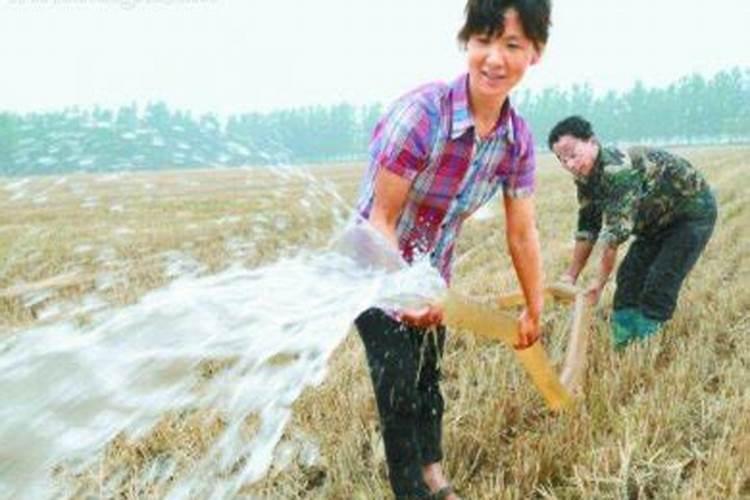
{"x":574,"y":125}
{"x":487,"y":17}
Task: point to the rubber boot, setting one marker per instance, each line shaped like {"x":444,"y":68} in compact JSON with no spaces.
{"x":624,"y":327}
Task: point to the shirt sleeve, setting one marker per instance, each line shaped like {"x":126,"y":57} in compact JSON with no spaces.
{"x":400,"y":140}
{"x":622,"y":186}
{"x":589,"y":216}
{"x":522,"y":182}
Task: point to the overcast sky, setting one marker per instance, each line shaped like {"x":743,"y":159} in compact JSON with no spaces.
{"x":230,"y":56}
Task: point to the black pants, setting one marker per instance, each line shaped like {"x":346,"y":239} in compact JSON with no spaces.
{"x":405,"y":371}
{"x":652,"y":273}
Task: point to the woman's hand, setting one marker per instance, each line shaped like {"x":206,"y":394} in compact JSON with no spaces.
{"x":528,"y":330}
{"x":525,"y":252}
{"x":430,"y":315}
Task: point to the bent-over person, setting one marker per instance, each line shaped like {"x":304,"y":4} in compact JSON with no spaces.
{"x":655,"y":196}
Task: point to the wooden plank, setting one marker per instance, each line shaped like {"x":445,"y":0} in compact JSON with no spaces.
{"x":54,"y":283}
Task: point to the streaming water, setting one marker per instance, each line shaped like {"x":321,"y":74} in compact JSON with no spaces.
{"x":68,"y":390}
{"x":237,"y":347}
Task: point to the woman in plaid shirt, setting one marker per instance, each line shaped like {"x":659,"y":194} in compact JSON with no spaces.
{"x":437,"y":155}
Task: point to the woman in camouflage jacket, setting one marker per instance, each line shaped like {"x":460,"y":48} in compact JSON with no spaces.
{"x":655,"y":196}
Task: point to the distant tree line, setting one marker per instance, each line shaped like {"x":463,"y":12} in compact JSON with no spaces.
{"x":689,"y":111}
{"x":692,"y":110}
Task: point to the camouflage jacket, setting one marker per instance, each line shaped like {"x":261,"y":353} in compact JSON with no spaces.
{"x":641,"y":194}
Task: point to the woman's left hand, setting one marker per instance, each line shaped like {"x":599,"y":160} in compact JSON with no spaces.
{"x":528,"y":330}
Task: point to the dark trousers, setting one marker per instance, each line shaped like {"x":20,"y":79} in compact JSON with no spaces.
{"x":652,"y":272}
{"x":405,"y":372}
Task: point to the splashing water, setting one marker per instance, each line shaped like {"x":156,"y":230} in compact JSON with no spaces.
{"x":67,"y":391}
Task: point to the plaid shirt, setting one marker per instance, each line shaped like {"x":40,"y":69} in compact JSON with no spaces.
{"x":427,"y":137}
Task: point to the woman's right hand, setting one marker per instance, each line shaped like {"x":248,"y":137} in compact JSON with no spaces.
{"x":567,"y":279}
{"x":430,"y":315}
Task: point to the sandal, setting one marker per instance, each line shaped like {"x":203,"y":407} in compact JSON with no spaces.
{"x":444,"y":493}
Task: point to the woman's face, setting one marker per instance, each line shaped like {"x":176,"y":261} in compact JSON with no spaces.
{"x":577,"y":156}
{"x":497,"y":64}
